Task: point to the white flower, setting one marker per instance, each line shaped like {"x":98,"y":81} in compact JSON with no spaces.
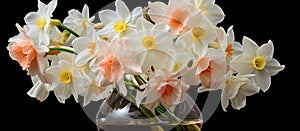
{"x":39,"y":22}
{"x":65,"y":78}
{"x":93,"y":92}
{"x":211,"y":10}
{"x":39,"y":89}
{"x":153,"y":44}
{"x":197,"y":39}
{"x":78,"y":22}
{"x":248,"y":89}
{"x":85,"y":46}
{"x":230,"y":87}
{"x":226,"y":41}
{"x":232,"y":48}
{"x":119,"y":22}
{"x":257,"y":60}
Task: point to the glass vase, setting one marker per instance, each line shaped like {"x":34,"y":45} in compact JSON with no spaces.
{"x":118,"y":113}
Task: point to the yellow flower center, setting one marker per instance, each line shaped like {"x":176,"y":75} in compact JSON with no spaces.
{"x":259,"y":62}
{"x":176,"y":67}
{"x":66,"y":77}
{"x":120,"y":26}
{"x":92,"y":47}
{"x":85,"y":23}
{"x":149,"y":42}
{"x":198,"y":32}
{"x":40,"y":23}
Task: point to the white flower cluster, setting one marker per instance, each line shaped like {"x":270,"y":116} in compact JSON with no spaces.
{"x":160,"y":51}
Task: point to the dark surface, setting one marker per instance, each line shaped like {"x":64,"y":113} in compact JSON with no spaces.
{"x":258,"y":20}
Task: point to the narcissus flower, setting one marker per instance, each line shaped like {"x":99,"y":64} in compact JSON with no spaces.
{"x":65,"y":78}
{"x":113,"y":59}
{"x":39,"y":22}
{"x":164,"y":88}
{"x":209,"y":9}
{"x":29,"y":55}
{"x":119,"y":22}
{"x":259,"y":61}
{"x":153,"y":44}
{"x":177,"y":14}
{"x":79,"y":21}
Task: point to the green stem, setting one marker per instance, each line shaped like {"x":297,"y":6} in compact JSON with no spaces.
{"x":131,"y":83}
{"x":62,"y":49}
{"x":163,"y":110}
{"x":68,"y":29}
{"x":148,"y":113}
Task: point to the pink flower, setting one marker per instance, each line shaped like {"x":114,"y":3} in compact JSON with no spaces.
{"x":113,"y":59}
{"x":177,"y":14}
{"x":111,"y":68}
{"x":211,"y":68}
{"x":28,"y":55}
{"x":164,"y":88}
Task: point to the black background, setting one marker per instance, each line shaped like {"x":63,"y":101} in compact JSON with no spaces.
{"x":260,"y":20}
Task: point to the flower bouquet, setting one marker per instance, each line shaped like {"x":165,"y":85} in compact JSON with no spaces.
{"x":141,"y":61}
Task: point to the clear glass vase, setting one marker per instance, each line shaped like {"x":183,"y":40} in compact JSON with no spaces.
{"x":118,"y":113}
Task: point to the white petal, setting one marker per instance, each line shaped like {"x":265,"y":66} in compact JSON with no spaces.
{"x":106,"y":30}
{"x":238,"y":102}
{"x":51,"y":7}
{"x":30,"y":18}
{"x":81,"y":43}
{"x":199,"y":48}
{"x":122,"y":10}
{"x":263,"y":79}
{"x":85,"y":11}
{"x":41,"y":49}
{"x":157,"y":11}
{"x":215,"y":14}
{"x":247,"y":89}
{"x":241,"y":64}
{"x":83,"y":58}
{"x":162,"y":27}
{"x":78,"y":80}
{"x":249,"y":47}
{"x":108,"y":16}
{"x":190,"y":78}
{"x":38,"y":91}
{"x":231,"y":90}
{"x":204,"y":89}
{"x":41,"y":8}
{"x":224,"y":101}
{"x":238,"y":49}
{"x":135,"y":14}
{"x":205,"y":3}
{"x":62,"y":93}
{"x":230,"y":33}
{"x":266,"y":50}
{"x":143,"y":25}
{"x":185,"y":40}
{"x":274,"y":67}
